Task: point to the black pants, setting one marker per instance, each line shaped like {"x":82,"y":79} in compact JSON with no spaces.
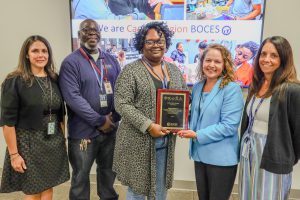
{"x":214,"y":182}
{"x":100,"y":149}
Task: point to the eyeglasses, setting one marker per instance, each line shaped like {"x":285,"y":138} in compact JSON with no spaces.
{"x":151,"y":43}
{"x":90,"y":30}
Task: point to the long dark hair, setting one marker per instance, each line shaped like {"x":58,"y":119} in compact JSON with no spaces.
{"x":286,"y":72}
{"x":24,"y":67}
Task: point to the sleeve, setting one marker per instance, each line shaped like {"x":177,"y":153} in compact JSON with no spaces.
{"x":115,"y":115}
{"x":9,"y":103}
{"x":229,"y":118}
{"x":190,"y":106}
{"x":256,"y":2}
{"x":173,"y":55}
{"x":69,"y":85}
{"x":62,"y":113}
{"x":126,"y":90}
{"x":294,"y":119}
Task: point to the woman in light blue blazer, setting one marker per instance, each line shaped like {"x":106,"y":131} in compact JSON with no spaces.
{"x":216,"y":109}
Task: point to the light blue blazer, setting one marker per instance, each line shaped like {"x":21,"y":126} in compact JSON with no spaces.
{"x":216,"y":124}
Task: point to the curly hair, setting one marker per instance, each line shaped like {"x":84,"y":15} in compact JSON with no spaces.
{"x":286,"y":73}
{"x":227,"y":73}
{"x":24,"y":66}
{"x":160,"y":27}
{"x":252,"y":46}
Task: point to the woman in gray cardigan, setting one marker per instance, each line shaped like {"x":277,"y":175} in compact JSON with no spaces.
{"x":270,"y":144}
{"x":144,"y":151}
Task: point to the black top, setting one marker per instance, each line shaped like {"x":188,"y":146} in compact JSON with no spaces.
{"x":157,"y":83}
{"x":22,"y":106}
{"x":282,"y":148}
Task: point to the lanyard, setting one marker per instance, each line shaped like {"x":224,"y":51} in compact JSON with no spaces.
{"x":163,"y":79}
{"x":96,"y":69}
{"x":201,"y":104}
{"x":251,"y":114}
{"x":44,"y":92}
{"x":248,"y":141}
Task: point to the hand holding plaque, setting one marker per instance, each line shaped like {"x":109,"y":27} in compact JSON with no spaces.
{"x":172,"y":109}
{"x":157,"y":130}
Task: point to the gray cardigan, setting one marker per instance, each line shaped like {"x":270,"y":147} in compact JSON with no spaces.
{"x":135,"y":100}
{"x":282,"y":148}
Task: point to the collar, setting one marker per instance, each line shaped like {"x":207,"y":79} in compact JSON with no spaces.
{"x":88,"y":53}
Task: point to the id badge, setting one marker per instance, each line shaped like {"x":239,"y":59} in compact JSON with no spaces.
{"x":103,"y":100}
{"x":51,"y":128}
{"x":108,"y":88}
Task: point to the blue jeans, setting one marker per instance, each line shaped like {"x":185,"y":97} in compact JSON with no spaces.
{"x":161,"y":163}
{"x":100,"y":149}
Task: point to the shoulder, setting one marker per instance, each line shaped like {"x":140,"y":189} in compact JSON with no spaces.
{"x":13,"y":84}
{"x":197,"y":86}
{"x":232,"y":86}
{"x":232,"y":89}
{"x":72,"y":62}
{"x":293,"y":91}
{"x":135,"y":65}
{"x":71,"y":59}
{"x":245,"y":67}
{"x":174,"y":52}
{"x":12,"y":81}
{"x":172,"y":67}
{"x":108,"y":56}
{"x":131,"y":69}
{"x":294,"y":87}
{"x":72,"y":56}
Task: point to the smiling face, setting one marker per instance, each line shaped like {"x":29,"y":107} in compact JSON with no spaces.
{"x":38,"y":55}
{"x":213,"y":64}
{"x":155,"y":46}
{"x":89,"y":34}
{"x":269,"y":60}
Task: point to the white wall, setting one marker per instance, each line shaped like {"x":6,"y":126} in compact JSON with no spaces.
{"x":50,"y":18}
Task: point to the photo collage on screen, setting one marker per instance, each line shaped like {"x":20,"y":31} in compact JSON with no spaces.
{"x":236,"y":24}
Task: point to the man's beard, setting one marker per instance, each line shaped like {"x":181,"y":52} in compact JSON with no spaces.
{"x":89,"y":47}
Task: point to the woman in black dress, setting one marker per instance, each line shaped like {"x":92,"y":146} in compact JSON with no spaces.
{"x":32,"y":119}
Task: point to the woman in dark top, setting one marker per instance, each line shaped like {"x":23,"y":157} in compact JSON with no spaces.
{"x":270,"y":128}
{"x":32,"y":120}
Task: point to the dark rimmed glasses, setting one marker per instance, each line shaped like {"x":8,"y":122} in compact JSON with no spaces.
{"x":159,"y":42}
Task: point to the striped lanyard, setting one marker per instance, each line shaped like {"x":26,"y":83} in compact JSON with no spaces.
{"x":163,"y":79}
{"x":251,"y":114}
{"x":96,"y":69}
{"x":248,"y":141}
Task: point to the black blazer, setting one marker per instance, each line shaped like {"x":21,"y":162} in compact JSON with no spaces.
{"x":22,"y":106}
{"x":282,"y":148}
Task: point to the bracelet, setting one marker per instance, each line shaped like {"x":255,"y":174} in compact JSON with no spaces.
{"x":12,"y":158}
{"x":13,"y":154}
